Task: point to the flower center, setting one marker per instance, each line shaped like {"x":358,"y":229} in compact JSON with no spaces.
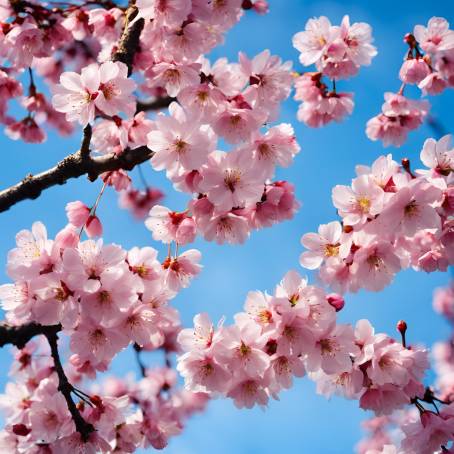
{"x":180,"y":146}
{"x":364,"y":204}
{"x":411,"y":209}
{"x":332,"y":250}
{"x":232,"y":178}
{"x":244,"y":349}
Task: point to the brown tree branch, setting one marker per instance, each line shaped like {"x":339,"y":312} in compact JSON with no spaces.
{"x":157,"y":104}
{"x":81,"y":163}
{"x":82,"y":426}
{"x":73,"y":166}
{"x":20,"y":335}
{"x":86,"y":139}
{"x":130,"y":38}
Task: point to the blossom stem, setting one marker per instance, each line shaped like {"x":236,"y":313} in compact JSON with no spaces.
{"x":142,"y":177}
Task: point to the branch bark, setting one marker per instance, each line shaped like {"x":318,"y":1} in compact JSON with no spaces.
{"x":157,"y":104}
{"x":82,"y":426}
{"x":130,"y":38}
{"x":81,"y":163}
{"x":73,"y":166}
{"x":20,"y":335}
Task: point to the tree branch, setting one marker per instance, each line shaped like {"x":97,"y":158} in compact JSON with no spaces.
{"x":82,"y":426}
{"x":73,"y":166}
{"x":20,"y":335}
{"x":81,"y":163}
{"x":130,"y":39}
{"x":86,"y":139}
{"x":157,"y":104}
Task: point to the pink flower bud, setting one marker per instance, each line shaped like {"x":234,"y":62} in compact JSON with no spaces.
{"x":401,"y":326}
{"x":93,"y":227}
{"x":77,"y":213}
{"x":261,"y":6}
{"x":414,"y":71}
{"x":336,"y":301}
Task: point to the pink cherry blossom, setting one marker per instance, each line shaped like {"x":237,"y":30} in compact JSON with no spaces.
{"x":321,"y":246}
{"x":436,"y":36}
{"x":178,"y":142}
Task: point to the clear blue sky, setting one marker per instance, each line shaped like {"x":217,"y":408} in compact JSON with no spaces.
{"x":301,"y":421}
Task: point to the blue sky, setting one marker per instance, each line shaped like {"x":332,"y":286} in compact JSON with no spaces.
{"x":301,"y":420}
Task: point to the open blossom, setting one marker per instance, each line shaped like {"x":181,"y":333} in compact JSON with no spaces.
{"x":26,"y":42}
{"x":230,"y":181}
{"x":173,"y":77}
{"x":375,"y":264}
{"x":27,"y":130}
{"x":179,"y":142}
{"x":399,"y":116}
{"x":337,"y":51}
{"x":333,"y":350}
{"x":106,"y":87}
{"x":359,"y":203}
{"x":170,"y":12}
{"x":270,"y":80}
{"x":225,"y":228}
{"x":277,"y":147}
{"x":436,"y":36}
{"x":180,"y":270}
{"x":313,"y":41}
{"x":410,"y":209}
{"x":321,"y":246}
{"x":438,"y":155}
{"x":168,"y":226}
{"x":139,"y":202}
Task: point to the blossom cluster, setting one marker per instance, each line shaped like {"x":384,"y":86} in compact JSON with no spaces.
{"x":391,"y":219}
{"x":126,"y":414}
{"x":292,"y":332}
{"x":71,"y":46}
{"x":429,"y":64}
{"x":443,"y":352}
{"x":103,"y":296}
{"x":421,"y":429}
{"x":338,"y":52}
{"x":232,"y":190}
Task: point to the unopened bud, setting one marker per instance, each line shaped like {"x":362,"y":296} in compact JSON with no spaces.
{"x":402,"y":328}
{"x":336,"y":301}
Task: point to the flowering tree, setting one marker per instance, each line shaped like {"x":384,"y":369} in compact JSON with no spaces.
{"x":103,"y":67}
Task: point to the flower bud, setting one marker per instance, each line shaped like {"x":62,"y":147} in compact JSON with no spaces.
{"x":336,"y":301}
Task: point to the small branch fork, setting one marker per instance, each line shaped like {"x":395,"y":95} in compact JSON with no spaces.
{"x":20,"y":335}
{"x":82,"y":426}
{"x":81,"y":163}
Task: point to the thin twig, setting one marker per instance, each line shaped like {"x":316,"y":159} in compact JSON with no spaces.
{"x":143,"y":369}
